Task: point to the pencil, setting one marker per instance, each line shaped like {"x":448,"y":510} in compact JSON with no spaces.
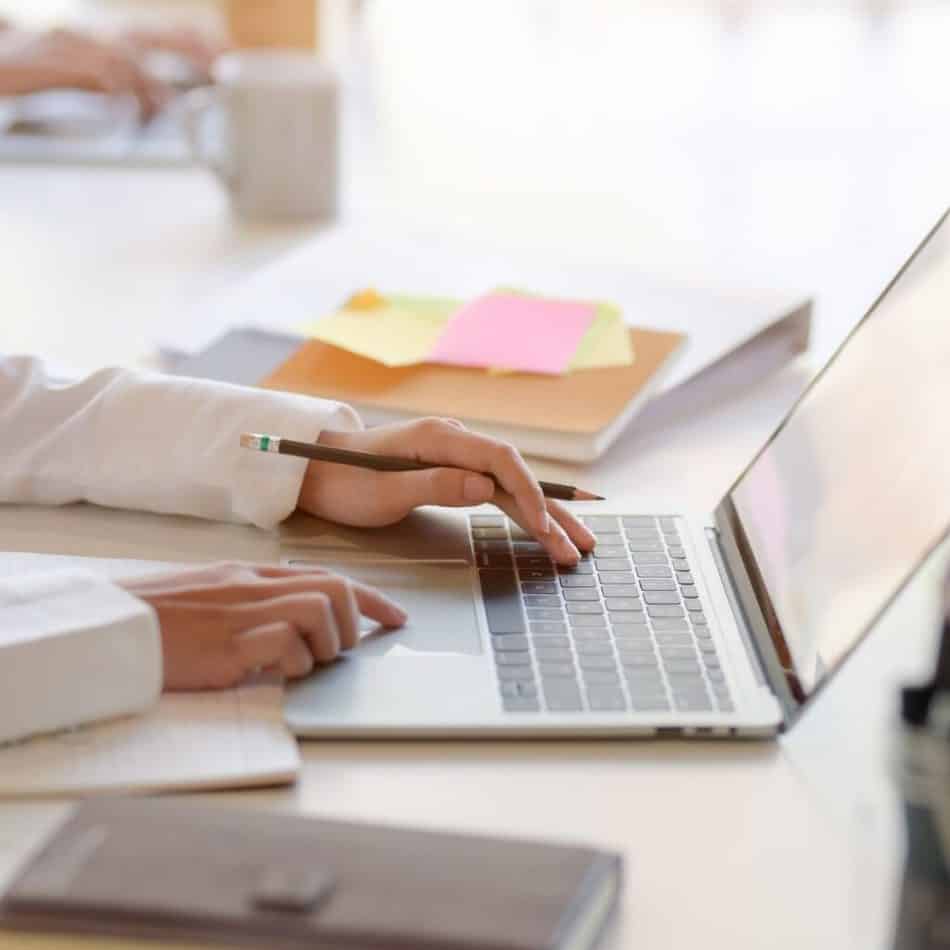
{"x":383,"y":463}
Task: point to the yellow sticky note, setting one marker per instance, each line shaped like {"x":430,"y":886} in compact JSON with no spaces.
{"x":399,"y":331}
{"x":606,"y":343}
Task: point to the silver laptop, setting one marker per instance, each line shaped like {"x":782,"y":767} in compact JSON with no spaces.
{"x":727,"y":624}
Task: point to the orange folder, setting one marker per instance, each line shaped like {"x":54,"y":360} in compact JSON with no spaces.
{"x":582,"y":403}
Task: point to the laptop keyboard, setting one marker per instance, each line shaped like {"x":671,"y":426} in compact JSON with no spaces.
{"x":623,"y":631}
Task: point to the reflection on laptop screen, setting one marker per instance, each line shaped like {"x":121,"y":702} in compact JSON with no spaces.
{"x":854,"y":489}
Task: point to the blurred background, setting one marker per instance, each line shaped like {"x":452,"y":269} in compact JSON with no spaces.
{"x":794,"y":145}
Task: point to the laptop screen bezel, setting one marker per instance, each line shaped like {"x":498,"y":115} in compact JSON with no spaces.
{"x":749,"y":581}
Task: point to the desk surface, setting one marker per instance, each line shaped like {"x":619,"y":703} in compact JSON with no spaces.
{"x":809,"y":182}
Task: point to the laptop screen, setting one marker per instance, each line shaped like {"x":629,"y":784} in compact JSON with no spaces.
{"x":853,"y":489}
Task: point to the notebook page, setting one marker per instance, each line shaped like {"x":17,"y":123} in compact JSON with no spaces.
{"x":200,"y":740}
{"x":210,"y":740}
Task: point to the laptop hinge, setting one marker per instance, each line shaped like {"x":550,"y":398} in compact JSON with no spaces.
{"x":758,"y":662}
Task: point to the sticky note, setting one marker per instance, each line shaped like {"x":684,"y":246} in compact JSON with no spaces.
{"x":395,"y":331}
{"x":606,"y":342}
{"x":514,"y":332}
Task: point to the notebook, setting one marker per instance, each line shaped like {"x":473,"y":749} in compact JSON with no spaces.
{"x":174,"y":871}
{"x":188,"y":741}
{"x":536,"y":412}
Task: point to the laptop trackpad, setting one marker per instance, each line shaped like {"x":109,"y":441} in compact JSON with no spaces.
{"x":439,"y":597}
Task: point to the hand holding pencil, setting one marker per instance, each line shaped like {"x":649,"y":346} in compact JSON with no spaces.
{"x":429,"y":462}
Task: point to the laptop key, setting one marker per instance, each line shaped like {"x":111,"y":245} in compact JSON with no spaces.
{"x":679,"y":564}
{"x":674,"y":550}
{"x":546,"y":644}
{"x":620,"y":590}
{"x":600,"y":522}
{"x":502,"y":601}
{"x":510,"y":689}
{"x":661,"y":597}
{"x":638,"y":545}
{"x":653,"y":570}
{"x":520,"y":704}
{"x":578,"y":580}
{"x":665,"y":611}
{"x":616,"y":577}
{"x":529,"y":549}
{"x":589,"y":633}
{"x":548,"y":629}
{"x":647,"y":583}
{"x":693,"y":605}
{"x":541,"y":600}
{"x":594,"y":648}
{"x":544,"y":613}
{"x":597,"y":663}
{"x":538,"y":587}
{"x":581,"y":593}
{"x":582,"y":567}
{"x":613,"y":564}
{"x":638,"y":661}
{"x":562,"y":696}
{"x":606,"y":698}
{"x":587,"y":620}
{"x":554,"y":655}
{"x":585,"y":607}
{"x":635,"y":521}
{"x":513,"y":659}
{"x":515,"y":673}
{"x":700,"y":622}
{"x":648,"y":557}
{"x":600,"y":678}
{"x":535,"y":574}
{"x":556,"y":670}
{"x":669,"y":624}
{"x":684,"y":577}
{"x":609,"y":550}
{"x":639,"y":630}
{"x":689,"y":590}
{"x":669,"y":652}
{"x":505,"y":642}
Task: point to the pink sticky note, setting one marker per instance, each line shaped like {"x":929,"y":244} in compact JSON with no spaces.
{"x":510,"y":331}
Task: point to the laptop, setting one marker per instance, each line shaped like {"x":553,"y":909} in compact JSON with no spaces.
{"x":87,"y":128}
{"x":724,"y":624}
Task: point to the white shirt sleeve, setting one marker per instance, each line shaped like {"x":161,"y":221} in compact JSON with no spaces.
{"x":157,"y":443}
{"x":74,"y":648}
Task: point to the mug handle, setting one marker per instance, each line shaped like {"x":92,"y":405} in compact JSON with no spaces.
{"x":198,"y":103}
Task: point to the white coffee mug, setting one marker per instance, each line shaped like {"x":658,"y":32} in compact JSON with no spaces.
{"x":276,"y":140}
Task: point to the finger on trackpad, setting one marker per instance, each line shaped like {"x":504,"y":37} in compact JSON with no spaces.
{"x":439,"y":597}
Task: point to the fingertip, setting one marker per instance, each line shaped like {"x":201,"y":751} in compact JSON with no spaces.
{"x":397,"y":616}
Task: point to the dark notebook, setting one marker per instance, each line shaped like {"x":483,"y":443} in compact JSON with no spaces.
{"x":184,"y":871}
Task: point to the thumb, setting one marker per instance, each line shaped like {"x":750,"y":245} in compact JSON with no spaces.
{"x":452,"y":487}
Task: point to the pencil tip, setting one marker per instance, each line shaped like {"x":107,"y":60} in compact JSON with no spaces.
{"x":581,"y":495}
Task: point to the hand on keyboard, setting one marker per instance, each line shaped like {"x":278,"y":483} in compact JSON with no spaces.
{"x":368,"y":498}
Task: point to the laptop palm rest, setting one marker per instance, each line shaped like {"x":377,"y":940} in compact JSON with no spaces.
{"x":420,"y":674}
